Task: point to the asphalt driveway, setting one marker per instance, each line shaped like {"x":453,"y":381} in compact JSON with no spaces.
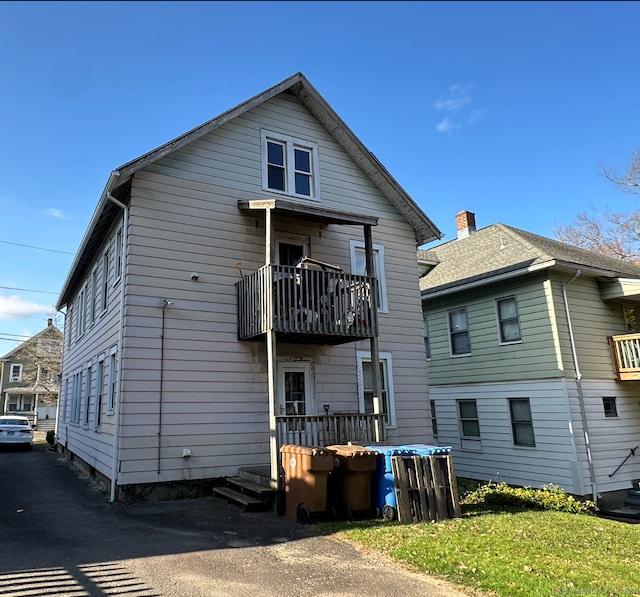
{"x":60,"y":536}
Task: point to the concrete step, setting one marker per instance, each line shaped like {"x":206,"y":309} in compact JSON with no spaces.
{"x":247,"y":503}
{"x":258,"y":474}
{"x":632,"y":501}
{"x":249,"y":487}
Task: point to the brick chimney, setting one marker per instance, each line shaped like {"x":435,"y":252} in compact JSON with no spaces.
{"x":465,"y":223}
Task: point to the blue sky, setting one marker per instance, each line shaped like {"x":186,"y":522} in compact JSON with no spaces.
{"x":505,"y":109}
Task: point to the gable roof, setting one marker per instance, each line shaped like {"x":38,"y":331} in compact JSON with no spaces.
{"x":500,"y":251}
{"x":425,"y":230}
{"x":51,"y":329}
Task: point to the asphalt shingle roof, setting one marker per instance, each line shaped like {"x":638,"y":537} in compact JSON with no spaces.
{"x":499,"y":249}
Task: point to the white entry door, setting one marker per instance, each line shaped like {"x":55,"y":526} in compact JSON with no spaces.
{"x":295,"y":389}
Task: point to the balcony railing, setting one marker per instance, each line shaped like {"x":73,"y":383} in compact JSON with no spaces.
{"x":625,"y":350}
{"x":326,"y":430}
{"x":305,"y":303}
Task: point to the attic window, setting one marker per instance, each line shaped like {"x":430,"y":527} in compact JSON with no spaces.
{"x":289,"y":165}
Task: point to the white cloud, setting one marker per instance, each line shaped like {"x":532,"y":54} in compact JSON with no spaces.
{"x":13,"y":306}
{"x":447,"y":126}
{"x":457,"y":101}
{"x":458,"y":98}
{"x":55,"y":213}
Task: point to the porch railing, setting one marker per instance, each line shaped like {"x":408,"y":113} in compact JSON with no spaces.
{"x":326,"y":430}
{"x":306,"y":301}
{"x":625,"y":350}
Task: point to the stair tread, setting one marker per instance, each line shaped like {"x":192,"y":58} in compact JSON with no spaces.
{"x":237,"y":496}
{"x":250,"y":485}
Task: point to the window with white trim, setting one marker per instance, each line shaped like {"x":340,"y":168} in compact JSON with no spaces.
{"x":117,"y":258}
{"x":365,"y":385}
{"x":521,"y":422}
{"x":425,"y":333}
{"x":75,"y":398}
{"x":508,"y":321}
{"x":80,"y":313}
{"x":97,"y":415}
{"x":469,"y":422}
{"x":93,"y":293}
{"x":113,"y":380}
{"x":105,"y":281}
{"x":434,"y":421}
{"x":459,"y":332}
{"x":289,"y":165}
{"x":359,"y":266}
{"x":16,"y":373}
{"x":86,"y":405}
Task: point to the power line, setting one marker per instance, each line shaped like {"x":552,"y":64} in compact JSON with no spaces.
{"x":28,"y":289}
{"x":6,"y":242}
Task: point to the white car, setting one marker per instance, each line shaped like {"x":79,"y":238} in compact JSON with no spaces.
{"x":16,"y":430}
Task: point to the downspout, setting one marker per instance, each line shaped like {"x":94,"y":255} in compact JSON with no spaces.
{"x":165,"y":303}
{"x":585,"y":427}
{"x":116,"y":431}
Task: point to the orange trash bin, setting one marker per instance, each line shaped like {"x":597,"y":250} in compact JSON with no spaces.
{"x":306,"y":470}
{"x":354,"y":467}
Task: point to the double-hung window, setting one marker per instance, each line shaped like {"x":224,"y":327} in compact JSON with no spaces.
{"x":365,"y":386}
{"x":425,"y":330}
{"x":459,"y":332}
{"x":289,"y":165}
{"x":16,"y":374}
{"x":521,"y":422}
{"x":359,"y":267}
{"x":113,"y":379}
{"x":97,"y":415}
{"x":434,"y":420}
{"x":86,"y":405}
{"x":469,"y":425}
{"x":117,"y":259}
{"x":80,"y":313}
{"x":508,"y":322}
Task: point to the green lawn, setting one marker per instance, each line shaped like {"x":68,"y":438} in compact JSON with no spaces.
{"x":513,"y":552}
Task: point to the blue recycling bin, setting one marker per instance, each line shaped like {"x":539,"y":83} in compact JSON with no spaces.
{"x":427,"y":449}
{"x":382,"y":482}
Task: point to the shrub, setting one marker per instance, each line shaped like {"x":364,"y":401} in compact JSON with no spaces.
{"x":549,"y":497}
{"x":51,"y":437}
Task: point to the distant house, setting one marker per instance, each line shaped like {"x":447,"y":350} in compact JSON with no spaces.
{"x":28,"y":380}
{"x":534,"y":360}
{"x":248,"y":284}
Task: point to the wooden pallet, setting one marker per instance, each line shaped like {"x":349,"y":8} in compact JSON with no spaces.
{"x":426,"y":488}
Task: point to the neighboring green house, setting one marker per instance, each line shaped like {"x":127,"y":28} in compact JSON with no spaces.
{"x":534,"y":360}
{"x":29,"y":377}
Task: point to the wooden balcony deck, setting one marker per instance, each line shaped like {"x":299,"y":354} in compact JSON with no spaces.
{"x":625,"y":350}
{"x":306,"y":305}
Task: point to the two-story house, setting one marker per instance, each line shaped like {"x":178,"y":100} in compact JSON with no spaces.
{"x":534,"y":360}
{"x":29,"y":377}
{"x":248,"y":284}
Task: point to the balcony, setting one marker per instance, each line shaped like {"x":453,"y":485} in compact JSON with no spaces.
{"x":311,"y":304}
{"x":625,"y":350}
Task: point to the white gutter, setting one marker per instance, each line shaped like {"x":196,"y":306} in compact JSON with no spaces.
{"x":585,"y":427}
{"x":116,"y":431}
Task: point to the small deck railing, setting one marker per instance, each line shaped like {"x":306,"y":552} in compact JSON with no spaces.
{"x":306,"y":302}
{"x":625,"y":350}
{"x":326,"y":430}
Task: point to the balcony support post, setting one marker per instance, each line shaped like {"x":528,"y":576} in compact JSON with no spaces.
{"x":373,"y":341}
